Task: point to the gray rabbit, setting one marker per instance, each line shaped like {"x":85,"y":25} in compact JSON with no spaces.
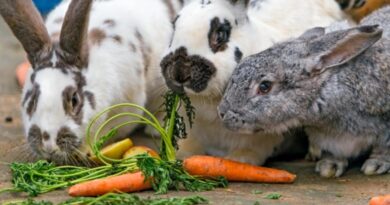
{"x":336,"y":85}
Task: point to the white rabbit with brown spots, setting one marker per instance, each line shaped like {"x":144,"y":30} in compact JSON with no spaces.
{"x":90,"y":55}
{"x":210,"y":39}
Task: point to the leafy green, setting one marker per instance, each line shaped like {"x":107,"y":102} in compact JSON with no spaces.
{"x":42,"y":176}
{"x":273,"y":196}
{"x":120,"y":199}
{"x":29,"y":202}
{"x":174,"y":123}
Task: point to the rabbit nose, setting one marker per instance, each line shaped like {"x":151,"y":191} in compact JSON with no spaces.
{"x":182,"y":74}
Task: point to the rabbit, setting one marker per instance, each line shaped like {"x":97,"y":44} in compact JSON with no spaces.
{"x":210,"y":38}
{"x":335,"y":84}
{"x":90,"y":55}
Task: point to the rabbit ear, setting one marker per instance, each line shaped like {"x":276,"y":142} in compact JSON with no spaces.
{"x":350,"y":44}
{"x":74,"y":33}
{"x":27,"y":25}
{"x":312,"y":33}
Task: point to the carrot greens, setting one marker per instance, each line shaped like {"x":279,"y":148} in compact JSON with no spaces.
{"x":166,"y":173}
{"x":120,"y":199}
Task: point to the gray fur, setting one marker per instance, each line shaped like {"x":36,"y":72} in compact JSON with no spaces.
{"x":335,"y":84}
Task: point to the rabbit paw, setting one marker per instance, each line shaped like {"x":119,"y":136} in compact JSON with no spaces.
{"x":247,"y":156}
{"x":375,"y":166}
{"x":331,"y":167}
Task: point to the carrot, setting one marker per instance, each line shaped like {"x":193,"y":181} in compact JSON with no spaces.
{"x":130,"y":182}
{"x":207,"y":166}
{"x":21,"y":72}
{"x":380,"y":200}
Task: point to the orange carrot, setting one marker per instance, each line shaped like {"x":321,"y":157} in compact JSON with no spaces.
{"x":21,"y":72}
{"x":207,"y":166}
{"x":130,"y":182}
{"x":380,"y":200}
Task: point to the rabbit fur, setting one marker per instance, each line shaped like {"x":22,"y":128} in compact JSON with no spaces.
{"x":335,"y":83}
{"x":90,"y":55}
{"x":209,"y":39}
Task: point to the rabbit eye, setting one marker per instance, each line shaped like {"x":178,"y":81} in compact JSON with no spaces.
{"x":222,"y":37}
{"x":75,"y":100}
{"x":264,"y":87}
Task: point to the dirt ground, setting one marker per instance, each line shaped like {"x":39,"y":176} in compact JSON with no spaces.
{"x":352,"y":188}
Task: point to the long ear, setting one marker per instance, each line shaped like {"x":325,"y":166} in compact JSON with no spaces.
{"x":312,"y":33}
{"x":28,"y":27}
{"x":350,"y":44}
{"x":74,"y":33}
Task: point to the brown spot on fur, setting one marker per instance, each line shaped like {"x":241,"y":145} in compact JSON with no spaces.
{"x":58,"y":20}
{"x":133,"y":48}
{"x":109,"y":22}
{"x":79,"y":79}
{"x":34,"y":138}
{"x":117,"y":38}
{"x":45,"y":136}
{"x":32,"y":104}
{"x":73,"y":101}
{"x":91,"y":99}
{"x":96,"y":36}
{"x":145,"y":50}
{"x":170,"y":8}
{"x":67,"y":140}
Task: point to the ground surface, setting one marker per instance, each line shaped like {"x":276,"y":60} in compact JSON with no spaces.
{"x":353,"y":188}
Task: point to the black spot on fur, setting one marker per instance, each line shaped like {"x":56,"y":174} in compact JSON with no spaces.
{"x":237,"y":55}
{"x":117,"y":39}
{"x":174,"y":22}
{"x":205,"y":2}
{"x":110,"y":22}
{"x":219,"y":34}
{"x":192,"y":71}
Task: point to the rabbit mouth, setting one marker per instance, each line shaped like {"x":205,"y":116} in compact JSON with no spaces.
{"x":75,"y":159}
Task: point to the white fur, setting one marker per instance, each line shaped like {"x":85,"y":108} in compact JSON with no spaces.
{"x":115,"y":74}
{"x":267,"y":22}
